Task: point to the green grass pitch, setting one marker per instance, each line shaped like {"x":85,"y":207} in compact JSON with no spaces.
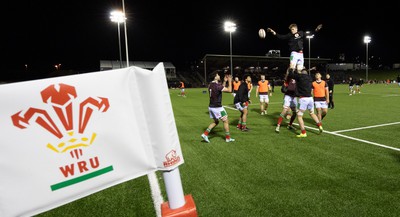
{"x":352,"y":169}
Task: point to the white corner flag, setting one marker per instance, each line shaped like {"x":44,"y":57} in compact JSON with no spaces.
{"x":68,"y":137}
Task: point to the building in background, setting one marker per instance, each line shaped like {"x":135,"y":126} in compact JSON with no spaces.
{"x":170,"y":70}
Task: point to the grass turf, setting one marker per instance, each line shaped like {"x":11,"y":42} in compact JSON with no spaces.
{"x":264,"y":173}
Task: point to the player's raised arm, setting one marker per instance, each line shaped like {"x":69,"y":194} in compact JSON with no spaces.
{"x":271,"y":31}
{"x":319,"y":27}
{"x":227,"y":78}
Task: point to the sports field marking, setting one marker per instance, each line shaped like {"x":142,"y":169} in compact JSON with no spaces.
{"x":353,"y":138}
{"x":155,"y":192}
{"x":375,"y":94}
{"x":391,"y":95}
{"x":271,"y":103}
{"x":337,"y":133}
{"x":362,"y":128}
{"x":229,"y":107}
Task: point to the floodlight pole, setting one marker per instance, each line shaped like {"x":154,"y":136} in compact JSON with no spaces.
{"x":230,"y":39}
{"x":367,"y":40}
{"x":309,"y":50}
{"x":366,"y":63}
{"x":118,"y":17}
{"x":205,"y":71}
{"x":119,"y":45}
{"x":230,"y":27}
{"x":126,"y":35}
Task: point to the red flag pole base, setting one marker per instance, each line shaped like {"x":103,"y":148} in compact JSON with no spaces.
{"x":187,"y":210}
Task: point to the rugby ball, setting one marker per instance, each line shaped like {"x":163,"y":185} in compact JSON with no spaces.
{"x":261,"y":33}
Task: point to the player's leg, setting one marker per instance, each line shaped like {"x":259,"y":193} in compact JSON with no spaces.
{"x":215,"y":114}
{"x":293,"y":61}
{"x":285,"y":109}
{"x":303,"y":103}
{"x":292,"y":118}
{"x":319,"y":113}
{"x":280,"y":119}
{"x":301,"y":123}
{"x":324,"y":109}
{"x":299,"y":61}
{"x":310,"y":107}
{"x":244,"y":120}
{"x":226,"y":128}
{"x":262,"y":110}
{"x":266,"y":101}
{"x":282,"y":116}
{"x":293,"y":106}
{"x":240,"y":108}
{"x":208,"y":130}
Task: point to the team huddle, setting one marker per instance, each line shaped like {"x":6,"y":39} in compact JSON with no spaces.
{"x":301,"y":92}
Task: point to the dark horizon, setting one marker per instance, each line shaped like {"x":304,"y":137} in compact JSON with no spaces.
{"x":78,"y":35}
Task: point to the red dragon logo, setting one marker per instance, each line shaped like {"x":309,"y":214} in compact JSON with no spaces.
{"x":61,"y":98}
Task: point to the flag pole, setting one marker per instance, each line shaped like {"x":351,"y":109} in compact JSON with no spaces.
{"x":178,"y":204}
{"x":173,"y":186}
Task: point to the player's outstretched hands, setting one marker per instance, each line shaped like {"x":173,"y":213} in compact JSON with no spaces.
{"x":271,"y":30}
{"x":228,"y":78}
{"x":318,"y":27}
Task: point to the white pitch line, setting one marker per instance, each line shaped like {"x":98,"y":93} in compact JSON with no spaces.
{"x":391,"y":95}
{"x":155,"y":192}
{"x":271,"y":103}
{"x":250,"y":105}
{"x":365,"y":141}
{"x":356,"y":139}
{"x":228,"y":107}
{"x":336,"y":133}
{"x":362,"y":128}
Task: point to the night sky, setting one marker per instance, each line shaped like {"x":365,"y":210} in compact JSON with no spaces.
{"x":78,"y":34}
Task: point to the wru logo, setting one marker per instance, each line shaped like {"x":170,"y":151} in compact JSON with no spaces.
{"x":61,"y":98}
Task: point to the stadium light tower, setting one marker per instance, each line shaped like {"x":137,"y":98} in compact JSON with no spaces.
{"x":309,"y":49}
{"x":118,"y":17}
{"x":126,"y":35}
{"x":230,"y":27}
{"x":367,"y":40}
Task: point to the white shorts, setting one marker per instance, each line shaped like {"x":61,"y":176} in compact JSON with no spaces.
{"x":306,"y":103}
{"x":297,"y":59}
{"x":289,"y":102}
{"x":217,"y":112}
{"x":321,"y":104}
{"x":240,"y":107}
{"x":264,"y":98}
{"x":182,"y":90}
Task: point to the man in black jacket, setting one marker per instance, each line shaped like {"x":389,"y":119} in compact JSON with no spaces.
{"x":331,"y":84}
{"x":241,"y":102}
{"x":295,"y":40}
{"x":398,"y":80}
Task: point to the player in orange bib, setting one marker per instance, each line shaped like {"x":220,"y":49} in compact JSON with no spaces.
{"x":250,"y":87}
{"x":182,"y":87}
{"x":321,"y":96}
{"x":262,"y":91}
{"x":235,"y":84}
